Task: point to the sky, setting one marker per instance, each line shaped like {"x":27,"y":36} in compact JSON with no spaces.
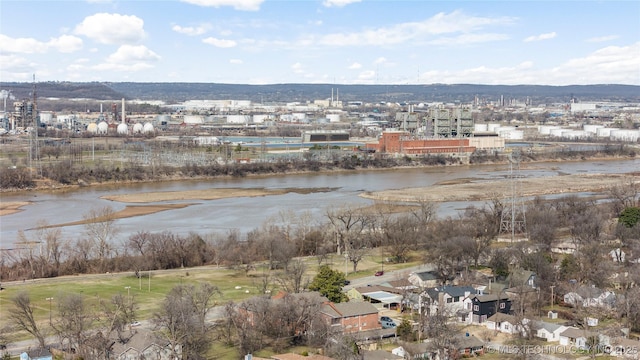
{"x":321,"y":41}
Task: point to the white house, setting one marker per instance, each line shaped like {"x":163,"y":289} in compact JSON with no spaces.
{"x":505,"y":323}
{"x":548,"y":331}
{"x":576,"y":337}
{"x":589,"y":296}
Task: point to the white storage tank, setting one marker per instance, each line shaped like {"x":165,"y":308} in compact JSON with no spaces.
{"x":557,"y":132}
{"x":193,"y":119}
{"x":512,"y":134}
{"x":147,"y":128}
{"x":238,"y":119}
{"x":103,"y":127}
{"x":546,"y":129}
{"x":576,"y":134}
{"x":480,"y":128}
{"x":92,"y":128}
{"x":592,"y":128}
{"x":46,"y":117}
{"x":299,"y":116}
{"x":123,"y":129}
{"x":333,"y":118}
{"x":625,"y":135}
{"x":492,"y":127}
{"x":605,"y":132}
{"x":137,"y":128}
{"x":260,"y":118}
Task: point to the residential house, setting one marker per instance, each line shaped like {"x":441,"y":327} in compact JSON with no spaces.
{"x":522,"y":278}
{"x":425,"y":279}
{"x":469,"y":345}
{"x":351,"y":316}
{"x":548,"y":331}
{"x":590,"y":296}
{"x":505,"y":323}
{"x":446,"y":298}
{"x":482,"y":307}
{"x":577,"y":337}
{"x":379,"y":355}
{"x":142,"y":344}
{"x":413,"y":351}
{"x":36,"y":354}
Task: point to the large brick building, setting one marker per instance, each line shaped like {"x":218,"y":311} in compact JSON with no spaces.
{"x":399,"y":142}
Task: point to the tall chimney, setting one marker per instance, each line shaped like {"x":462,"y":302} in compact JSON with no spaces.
{"x":123,"y":111}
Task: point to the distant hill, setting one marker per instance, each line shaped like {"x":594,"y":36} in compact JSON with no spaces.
{"x":177,"y":92}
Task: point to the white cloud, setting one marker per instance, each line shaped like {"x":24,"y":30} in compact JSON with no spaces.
{"x":221,"y":43}
{"x":130,"y":58}
{"x":455,"y":22}
{"x":355,"y":66}
{"x":611,"y":65}
{"x":367,"y":75}
{"x":236,"y":61}
{"x":380,"y":60}
{"x":540,"y":37}
{"x":21,"y":45}
{"x":297,"y":68}
{"x":466,"y":39}
{"x":191,"y":30}
{"x":246,"y":5}
{"x":112,"y":28}
{"x":339,"y":3}
{"x":603,"y":38}
{"x":64,"y":43}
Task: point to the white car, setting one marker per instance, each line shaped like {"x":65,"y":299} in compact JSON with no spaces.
{"x":135,"y":323}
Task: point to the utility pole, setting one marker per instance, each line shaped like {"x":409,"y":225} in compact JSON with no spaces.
{"x":49,"y":299}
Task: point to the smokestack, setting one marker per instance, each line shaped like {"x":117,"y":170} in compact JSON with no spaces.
{"x":100,"y":108}
{"x":331,"y":96}
{"x":123,"y":110}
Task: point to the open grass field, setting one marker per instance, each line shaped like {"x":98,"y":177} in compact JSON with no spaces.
{"x":148,"y":294}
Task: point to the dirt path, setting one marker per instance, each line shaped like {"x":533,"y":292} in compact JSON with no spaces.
{"x":467,"y":190}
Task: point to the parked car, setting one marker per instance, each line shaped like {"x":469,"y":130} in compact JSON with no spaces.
{"x":387,"y":322}
{"x":135,"y":323}
{"x":379,"y":273}
{"x":347,"y":282}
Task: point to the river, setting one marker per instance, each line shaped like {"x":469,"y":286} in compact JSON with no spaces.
{"x":245,"y":214}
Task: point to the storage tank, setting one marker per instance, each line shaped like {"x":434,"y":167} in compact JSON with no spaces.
{"x":299,"y":116}
{"x":333,"y":118}
{"x":193,"y":119}
{"x":546,"y":129}
{"x":123,"y":129}
{"x":492,"y":127}
{"x":605,"y":132}
{"x":137,"y":128}
{"x":557,"y":132}
{"x":575,"y":134}
{"x":46,"y":118}
{"x":592,"y":128}
{"x":238,"y":119}
{"x":480,"y":127}
{"x":625,"y":135}
{"x":260,"y":118}
{"x":147,"y":128}
{"x":92,"y":128}
{"x":103,"y":127}
{"x":511,"y":134}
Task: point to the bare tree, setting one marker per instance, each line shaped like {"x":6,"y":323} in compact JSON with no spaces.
{"x":348,"y":224}
{"x":73,"y":322}
{"x":292,"y":279}
{"x":181,"y":319}
{"x":23,"y":318}
{"x":101,"y":230}
{"x":120,"y":312}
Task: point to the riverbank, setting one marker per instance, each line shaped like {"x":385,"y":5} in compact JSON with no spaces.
{"x":467,"y":190}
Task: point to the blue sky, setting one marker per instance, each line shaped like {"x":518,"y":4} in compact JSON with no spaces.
{"x":322,"y":41}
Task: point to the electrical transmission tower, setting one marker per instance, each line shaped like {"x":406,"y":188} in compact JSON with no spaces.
{"x":513,"y":219}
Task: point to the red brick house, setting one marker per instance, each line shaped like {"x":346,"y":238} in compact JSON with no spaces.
{"x":351,"y":316}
